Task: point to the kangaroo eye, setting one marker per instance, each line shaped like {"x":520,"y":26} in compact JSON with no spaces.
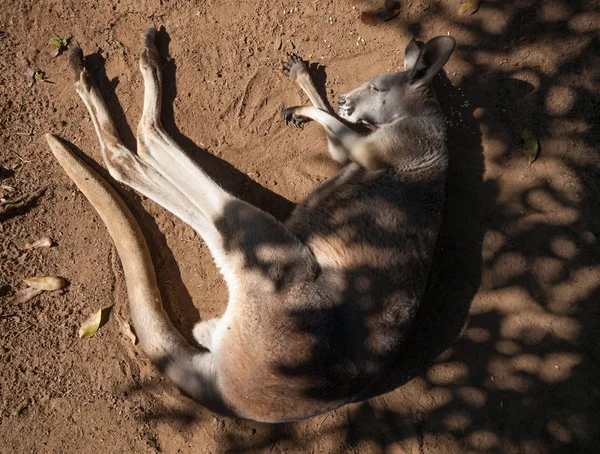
{"x":373,"y":87}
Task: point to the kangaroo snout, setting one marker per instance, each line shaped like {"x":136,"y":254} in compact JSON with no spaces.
{"x":345,"y":107}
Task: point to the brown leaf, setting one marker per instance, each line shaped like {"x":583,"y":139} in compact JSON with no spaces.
{"x":42,"y":242}
{"x":29,"y":74}
{"x":91,"y":325}
{"x":46,"y":282}
{"x":469,"y":7}
{"x":376,"y":17}
{"x":24,"y":295}
{"x":126,"y":329}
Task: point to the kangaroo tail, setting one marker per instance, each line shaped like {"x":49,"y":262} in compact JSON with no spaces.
{"x":193,"y":371}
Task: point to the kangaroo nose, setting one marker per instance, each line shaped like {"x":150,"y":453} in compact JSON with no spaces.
{"x":341,"y":101}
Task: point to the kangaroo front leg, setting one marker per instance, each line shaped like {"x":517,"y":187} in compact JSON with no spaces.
{"x":295,"y":68}
{"x":340,"y":136}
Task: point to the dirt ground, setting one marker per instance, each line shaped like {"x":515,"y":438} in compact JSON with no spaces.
{"x":503,"y":357}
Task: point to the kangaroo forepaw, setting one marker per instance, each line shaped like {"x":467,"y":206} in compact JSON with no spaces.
{"x":291,"y":118}
{"x":294,"y":67}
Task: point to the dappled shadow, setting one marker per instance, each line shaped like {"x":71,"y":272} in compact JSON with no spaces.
{"x":446,"y":302}
{"x":516,"y":258}
{"x":522,"y":376}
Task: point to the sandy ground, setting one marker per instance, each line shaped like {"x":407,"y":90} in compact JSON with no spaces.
{"x":504,"y":354}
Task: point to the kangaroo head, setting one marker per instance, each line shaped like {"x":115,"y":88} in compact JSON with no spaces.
{"x":389,"y":97}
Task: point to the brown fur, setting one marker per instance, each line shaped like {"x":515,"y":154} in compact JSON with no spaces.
{"x":318,"y":306}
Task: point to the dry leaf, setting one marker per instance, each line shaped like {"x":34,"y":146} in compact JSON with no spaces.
{"x":468,"y":8}
{"x":91,"y":325}
{"x":46,"y":282}
{"x":42,"y":242}
{"x":126,"y":329}
{"x":375,"y":17}
{"x":24,"y":295}
{"x":530,"y":146}
{"x":29,"y":74}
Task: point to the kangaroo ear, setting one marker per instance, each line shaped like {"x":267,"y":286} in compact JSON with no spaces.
{"x":430,"y":61}
{"x":411,"y":54}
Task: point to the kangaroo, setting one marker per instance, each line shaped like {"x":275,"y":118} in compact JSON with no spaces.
{"x":318,"y":305}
